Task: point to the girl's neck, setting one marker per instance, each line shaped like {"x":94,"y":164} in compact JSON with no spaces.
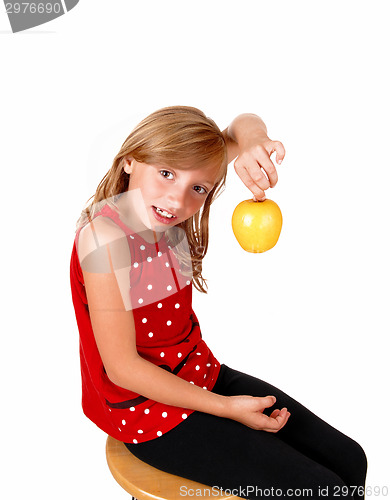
{"x":129,"y":204}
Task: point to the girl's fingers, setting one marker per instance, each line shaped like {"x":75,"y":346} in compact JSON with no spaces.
{"x":267,"y":401}
{"x":277,"y":421}
{"x":253,"y":168}
{"x":287,"y":417}
{"x":274,"y":424}
{"x":248,"y":180}
{"x":264,"y":161}
{"x":278,"y":147}
{"x":256,"y":169}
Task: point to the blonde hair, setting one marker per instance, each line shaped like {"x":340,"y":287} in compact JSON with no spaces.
{"x":171,"y":136}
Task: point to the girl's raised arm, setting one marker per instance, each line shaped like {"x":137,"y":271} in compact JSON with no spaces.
{"x":114,"y":330}
{"x":246,"y":138}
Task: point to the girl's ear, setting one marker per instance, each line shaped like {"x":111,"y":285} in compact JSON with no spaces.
{"x":128,"y":165}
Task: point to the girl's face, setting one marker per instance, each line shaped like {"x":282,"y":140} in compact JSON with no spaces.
{"x":169,"y":195}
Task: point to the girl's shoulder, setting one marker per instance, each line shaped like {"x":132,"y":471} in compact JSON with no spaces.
{"x":99,"y":240}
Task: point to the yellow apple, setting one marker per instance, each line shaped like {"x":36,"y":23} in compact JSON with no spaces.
{"x":257,"y":225}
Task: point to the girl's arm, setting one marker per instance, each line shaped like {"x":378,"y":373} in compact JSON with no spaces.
{"x":114,"y":331}
{"x":246,"y":138}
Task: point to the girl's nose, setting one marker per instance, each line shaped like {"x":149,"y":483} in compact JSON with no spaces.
{"x":176,"y":197}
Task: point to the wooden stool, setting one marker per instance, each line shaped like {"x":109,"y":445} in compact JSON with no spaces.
{"x":145,"y":482}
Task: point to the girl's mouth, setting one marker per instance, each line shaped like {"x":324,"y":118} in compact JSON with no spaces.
{"x":162,"y":215}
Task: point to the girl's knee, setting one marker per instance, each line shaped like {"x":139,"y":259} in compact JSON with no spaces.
{"x":357,"y":457}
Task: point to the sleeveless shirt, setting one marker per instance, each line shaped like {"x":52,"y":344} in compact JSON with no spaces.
{"x":167,"y":334}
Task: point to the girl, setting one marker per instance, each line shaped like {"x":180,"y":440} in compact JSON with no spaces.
{"x":148,"y":377}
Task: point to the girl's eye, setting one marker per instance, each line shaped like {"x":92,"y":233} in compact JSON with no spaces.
{"x":167,"y":173}
{"x":201,"y":192}
{"x":163,"y":172}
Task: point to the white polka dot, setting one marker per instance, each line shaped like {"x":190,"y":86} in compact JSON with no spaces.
{"x":197,"y":367}
{"x":159,"y":254}
{"x":191,"y":382}
{"x":135,"y":264}
{"x":188,"y":282}
{"x":150,"y":334}
{"x":149,"y":259}
{"x":146,"y":411}
{"x":144,"y":320}
{"x":204,"y":387}
{"x":142,"y":247}
{"x":169,"y":322}
{"x":199,"y":354}
{"x":124,"y":422}
{"x":159,"y":433}
{"x":150,"y":287}
{"x":177,"y":306}
{"x":135,"y":441}
{"x":132,"y":408}
{"x":132,"y":237}
{"x":205,"y":376}
{"x":184,"y":415}
{"x":120,"y":430}
{"x":169,"y":287}
{"x":179,"y":354}
{"x":208,"y":364}
{"x":159,"y":305}
{"x":164,"y":414}
{"x":140,"y":431}
{"x":167,"y":264}
{"x":169,"y":247}
{"x":162,"y":354}
{"x":140,"y":301}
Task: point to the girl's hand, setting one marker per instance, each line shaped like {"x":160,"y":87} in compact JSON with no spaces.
{"x":248,"y":410}
{"x":255,"y":167}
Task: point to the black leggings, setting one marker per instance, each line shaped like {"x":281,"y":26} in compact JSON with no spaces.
{"x":306,"y":458}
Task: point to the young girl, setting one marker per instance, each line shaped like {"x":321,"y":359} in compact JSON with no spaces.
{"x":148,"y":377}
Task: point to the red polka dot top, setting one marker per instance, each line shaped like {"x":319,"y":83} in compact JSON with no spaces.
{"x":167,"y":334}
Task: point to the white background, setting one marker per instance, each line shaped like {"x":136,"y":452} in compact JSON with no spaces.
{"x":309,"y":316}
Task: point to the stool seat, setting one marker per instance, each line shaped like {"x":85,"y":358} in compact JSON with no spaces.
{"x":145,"y":482}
